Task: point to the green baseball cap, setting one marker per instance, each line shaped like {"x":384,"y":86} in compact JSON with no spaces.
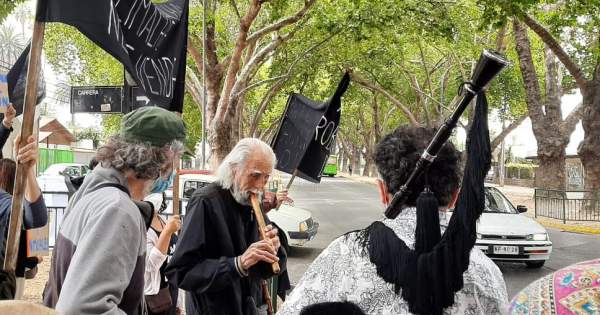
{"x":152,"y":124}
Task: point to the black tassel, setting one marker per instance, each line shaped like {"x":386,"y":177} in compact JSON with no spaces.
{"x":427,"y":233}
{"x":429,"y":276}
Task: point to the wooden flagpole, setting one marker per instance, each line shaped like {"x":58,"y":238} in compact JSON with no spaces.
{"x":16,"y":213}
{"x":176,"y":204}
{"x":287,"y":188}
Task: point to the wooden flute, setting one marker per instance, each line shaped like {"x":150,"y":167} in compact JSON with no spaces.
{"x":261,"y":226}
{"x":263,"y":236}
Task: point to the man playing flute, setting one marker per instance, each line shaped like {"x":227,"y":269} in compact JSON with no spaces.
{"x":219,"y":259}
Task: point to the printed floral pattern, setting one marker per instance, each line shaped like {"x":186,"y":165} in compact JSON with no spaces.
{"x":571,"y":290}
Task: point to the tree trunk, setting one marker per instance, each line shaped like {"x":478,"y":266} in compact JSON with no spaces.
{"x":589,"y":149}
{"x":220,"y":139}
{"x":374,"y":169}
{"x":368,"y":163}
{"x":551,"y":171}
{"x":344,"y":159}
{"x":551,"y":133}
{"x":355,"y":160}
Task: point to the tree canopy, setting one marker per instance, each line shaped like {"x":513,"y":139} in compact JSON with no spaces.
{"x":407,"y":59}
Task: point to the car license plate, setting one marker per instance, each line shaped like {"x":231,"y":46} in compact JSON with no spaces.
{"x":506,"y":250}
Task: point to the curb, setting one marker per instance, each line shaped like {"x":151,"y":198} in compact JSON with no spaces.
{"x":569,"y":228}
{"x":359,"y":179}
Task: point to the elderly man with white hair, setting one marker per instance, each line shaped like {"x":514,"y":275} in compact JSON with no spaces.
{"x":220,"y":259}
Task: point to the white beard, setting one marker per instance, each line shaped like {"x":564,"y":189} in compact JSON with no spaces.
{"x":243,"y":197}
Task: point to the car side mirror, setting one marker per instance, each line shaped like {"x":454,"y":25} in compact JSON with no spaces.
{"x":521,"y":208}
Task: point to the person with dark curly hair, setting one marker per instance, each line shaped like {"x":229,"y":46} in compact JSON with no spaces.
{"x":345,"y":272}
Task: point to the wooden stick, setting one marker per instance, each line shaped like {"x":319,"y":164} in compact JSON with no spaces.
{"x":261,"y":226}
{"x":287,"y":188}
{"x":16,"y":212}
{"x":267,"y":297}
{"x":291,"y":180}
{"x":177,"y":166}
{"x":263,"y":236}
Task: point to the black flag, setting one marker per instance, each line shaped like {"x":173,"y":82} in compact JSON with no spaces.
{"x":307,"y":133}
{"x":17,"y":79}
{"x":150,"y":40}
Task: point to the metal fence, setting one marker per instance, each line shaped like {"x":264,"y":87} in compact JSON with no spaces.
{"x":56,"y":203}
{"x":567,"y":205}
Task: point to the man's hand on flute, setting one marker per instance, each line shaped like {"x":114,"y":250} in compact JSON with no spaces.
{"x":259,"y":251}
{"x":272,"y":234}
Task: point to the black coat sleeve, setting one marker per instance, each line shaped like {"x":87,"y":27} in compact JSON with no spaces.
{"x":264,"y":270}
{"x":190,"y":268}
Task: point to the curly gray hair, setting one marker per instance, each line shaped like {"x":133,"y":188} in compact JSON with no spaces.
{"x":145,"y":160}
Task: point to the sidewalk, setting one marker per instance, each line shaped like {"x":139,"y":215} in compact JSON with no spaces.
{"x":519,"y":196}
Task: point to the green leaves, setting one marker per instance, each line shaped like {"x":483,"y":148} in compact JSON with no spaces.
{"x":6,"y":7}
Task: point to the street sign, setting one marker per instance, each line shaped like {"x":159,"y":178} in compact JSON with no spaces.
{"x":138,"y":98}
{"x":134,"y":96}
{"x":96,"y":99}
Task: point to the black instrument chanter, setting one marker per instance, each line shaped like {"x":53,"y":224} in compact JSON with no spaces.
{"x":488,"y":67}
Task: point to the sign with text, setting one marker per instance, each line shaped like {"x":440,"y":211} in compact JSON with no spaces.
{"x":38,"y":241}
{"x":148,"y":38}
{"x":307,"y":134}
{"x":96,"y":99}
{"x":3,"y":92}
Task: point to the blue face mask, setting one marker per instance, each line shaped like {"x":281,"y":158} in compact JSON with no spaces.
{"x":160,"y":185}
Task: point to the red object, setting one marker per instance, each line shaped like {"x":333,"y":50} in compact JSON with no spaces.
{"x":198,"y":172}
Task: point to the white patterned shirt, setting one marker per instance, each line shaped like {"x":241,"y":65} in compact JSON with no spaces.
{"x":341,"y":273}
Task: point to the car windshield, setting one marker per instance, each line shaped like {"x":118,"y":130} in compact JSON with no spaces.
{"x":55,"y":169}
{"x":495,"y":202}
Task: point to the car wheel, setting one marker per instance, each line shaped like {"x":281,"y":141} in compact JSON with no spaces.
{"x":535,"y":264}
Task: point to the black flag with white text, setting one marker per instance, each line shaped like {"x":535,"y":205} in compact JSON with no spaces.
{"x":150,"y":40}
{"x":307,"y":133}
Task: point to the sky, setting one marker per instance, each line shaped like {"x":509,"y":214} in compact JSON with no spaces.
{"x":62,"y":111}
{"x":521,"y":140}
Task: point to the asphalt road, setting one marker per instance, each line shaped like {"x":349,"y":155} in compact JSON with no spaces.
{"x":341,"y":205}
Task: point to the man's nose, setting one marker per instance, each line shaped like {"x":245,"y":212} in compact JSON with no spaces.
{"x":262,"y":183}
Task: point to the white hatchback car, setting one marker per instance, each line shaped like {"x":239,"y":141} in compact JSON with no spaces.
{"x":297,"y":224}
{"x":503,"y":233}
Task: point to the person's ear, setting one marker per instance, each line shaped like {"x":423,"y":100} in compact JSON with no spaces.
{"x":383,"y":192}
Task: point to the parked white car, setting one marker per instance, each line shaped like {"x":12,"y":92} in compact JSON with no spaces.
{"x":505,"y":234}
{"x":297,"y":224}
{"x":53,"y":179}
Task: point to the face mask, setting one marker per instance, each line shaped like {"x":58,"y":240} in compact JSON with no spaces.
{"x":160,"y":185}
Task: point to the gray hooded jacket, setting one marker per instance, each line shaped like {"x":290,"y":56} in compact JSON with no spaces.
{"x":99,"y":256}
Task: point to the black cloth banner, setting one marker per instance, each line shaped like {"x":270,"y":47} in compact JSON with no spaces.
{"x":17,"y":80}
{"x":150,"y":40}
{"x":307,"y":133}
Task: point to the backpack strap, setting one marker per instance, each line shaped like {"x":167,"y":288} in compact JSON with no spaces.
{"x":115,"y":185}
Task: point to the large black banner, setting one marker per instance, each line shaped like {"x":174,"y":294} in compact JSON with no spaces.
{"x":307,"y":133}
{"x":149,"y":39}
